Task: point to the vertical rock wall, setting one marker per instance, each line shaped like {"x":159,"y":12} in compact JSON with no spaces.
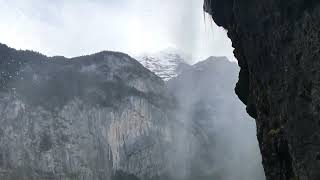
{"x":277,"y":44}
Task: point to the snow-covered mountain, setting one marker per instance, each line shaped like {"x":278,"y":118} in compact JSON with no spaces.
{"x":167,"y":64}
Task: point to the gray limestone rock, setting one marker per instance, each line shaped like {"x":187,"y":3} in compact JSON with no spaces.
{"x":85,"y":118}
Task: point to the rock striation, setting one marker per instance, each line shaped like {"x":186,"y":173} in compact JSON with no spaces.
{"x":277,"y":47}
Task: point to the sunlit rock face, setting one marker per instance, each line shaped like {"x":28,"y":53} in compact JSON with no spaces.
{"x":89,"y":117}
{"x":277,"y":47}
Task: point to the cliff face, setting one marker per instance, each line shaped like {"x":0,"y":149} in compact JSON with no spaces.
{"x":102,"y":116}
{"x":106,"y":117}
{"x":277,"y":46}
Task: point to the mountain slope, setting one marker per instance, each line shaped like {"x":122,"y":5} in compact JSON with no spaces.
{"x":82,"y":118}
{"x":105,"y":116}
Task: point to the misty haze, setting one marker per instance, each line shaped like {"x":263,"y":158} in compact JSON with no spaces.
{"x":121,"y":90}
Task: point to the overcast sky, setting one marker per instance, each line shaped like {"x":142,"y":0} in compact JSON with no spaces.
{"x":78,"y":27}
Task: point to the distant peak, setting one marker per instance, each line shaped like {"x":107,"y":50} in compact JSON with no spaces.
{"x":167,"y":63}
{"x":222,"y":58}
{"x":217,"y":62}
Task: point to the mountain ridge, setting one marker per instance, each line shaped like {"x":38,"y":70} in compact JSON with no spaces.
{"x":86,"y":118}
{"x":105,"y":116}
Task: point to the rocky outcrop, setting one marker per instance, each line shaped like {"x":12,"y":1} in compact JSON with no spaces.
{"x":102,"y":116}
{"x":277,"y":47}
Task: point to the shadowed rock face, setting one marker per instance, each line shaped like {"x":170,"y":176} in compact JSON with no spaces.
{"x":96,"y":117}
{"x":277,"y":46}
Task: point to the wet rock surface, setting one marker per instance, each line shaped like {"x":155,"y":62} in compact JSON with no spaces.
{"x":277,"y":47}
